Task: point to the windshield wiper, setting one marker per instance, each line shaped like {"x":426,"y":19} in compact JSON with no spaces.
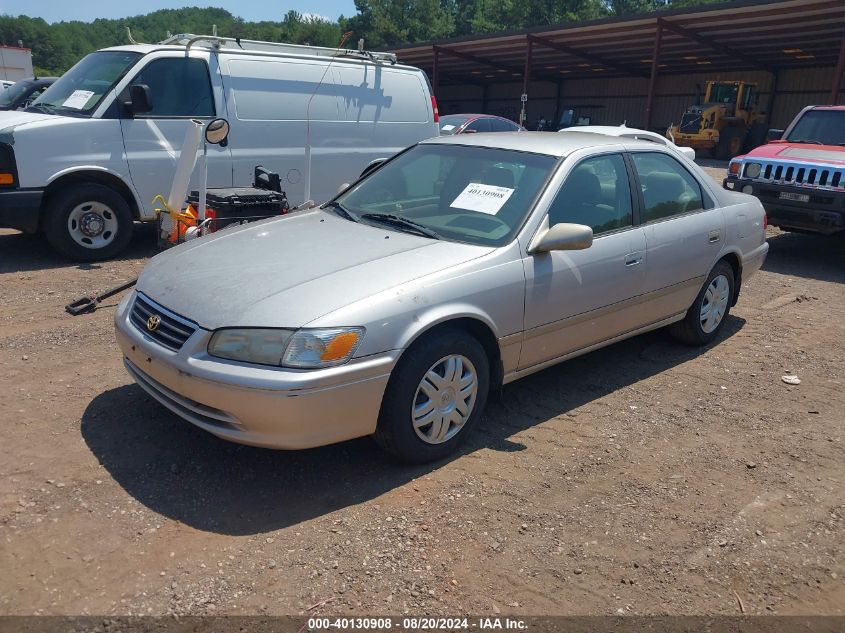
{"x":808,"y":141}
{"x":341,"y":210}
{"x":405,"y":223}
{"x":41,"y":107}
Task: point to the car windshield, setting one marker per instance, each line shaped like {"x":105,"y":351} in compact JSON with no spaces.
{"x":819,"y":126}
{"x":13,"y":92}
{"x":477,"y":195}
{"x":81,"y":89}
{"x":451,"y":124}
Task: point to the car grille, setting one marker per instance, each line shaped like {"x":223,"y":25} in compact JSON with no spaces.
{"x":170,"y":331}
{"x":690,"y":123}
{"x":798,"y":174}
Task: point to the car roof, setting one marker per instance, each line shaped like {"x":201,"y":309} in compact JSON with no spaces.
{"x":610,"y":130}
{"x":550,"y":143}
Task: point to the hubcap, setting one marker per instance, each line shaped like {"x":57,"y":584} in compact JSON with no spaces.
{"x":445,"y":399}
{"x":92,"y":225}
{"x":715,"y":303}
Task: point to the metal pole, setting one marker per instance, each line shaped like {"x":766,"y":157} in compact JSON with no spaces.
{"x":526,"y":78}
{"x":837,"y":74}
{"x":435,"y":70}
{"x":771,"y":107}
{"x":652,"y":81}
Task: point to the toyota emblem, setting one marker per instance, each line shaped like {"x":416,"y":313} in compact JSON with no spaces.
{"x":153,"y":322}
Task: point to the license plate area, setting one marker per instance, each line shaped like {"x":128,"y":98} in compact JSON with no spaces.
{"x":794,"y":197}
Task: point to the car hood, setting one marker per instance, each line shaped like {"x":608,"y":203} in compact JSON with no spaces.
{"x":14,"y":118}
{"x":800,"y":152}
{"x":289,"y":271}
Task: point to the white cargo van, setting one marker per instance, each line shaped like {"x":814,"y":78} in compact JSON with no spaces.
{"x":88,"y":157}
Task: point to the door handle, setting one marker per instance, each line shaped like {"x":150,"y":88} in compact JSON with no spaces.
{"x":632,"y":259}
{"x":715,"y":236}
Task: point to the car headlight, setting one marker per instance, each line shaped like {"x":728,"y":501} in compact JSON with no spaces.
{"x":250,"y":345}
{"x":323,"y":347}
{"x":752,"y":170}
{"x":310,"y":348}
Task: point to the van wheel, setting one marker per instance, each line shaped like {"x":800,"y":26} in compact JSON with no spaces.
{"x":435,"y":396}
{"x":706,"y":317}
{"x":88,"y":222}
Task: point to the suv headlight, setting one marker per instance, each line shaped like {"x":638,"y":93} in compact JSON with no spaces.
{"x":308,"y":348}
{"x":752,"y":170}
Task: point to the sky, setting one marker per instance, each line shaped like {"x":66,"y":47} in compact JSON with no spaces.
{"x":89,"y":10}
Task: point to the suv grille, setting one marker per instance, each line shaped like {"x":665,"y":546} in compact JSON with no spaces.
{"x":170,"y":330}
{"x":799,"y":174}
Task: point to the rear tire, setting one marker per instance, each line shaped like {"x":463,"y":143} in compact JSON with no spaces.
{"x":730,"y":143}
{"x":88,"y":222}
{"x":708,"y":313}
{"x":434,"y":398}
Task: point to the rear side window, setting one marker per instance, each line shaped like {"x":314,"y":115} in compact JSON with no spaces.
{"x":501,"y":125}
{"x":479,"y":125}
{"x":179,"y":86}
{"x":668,"y":189}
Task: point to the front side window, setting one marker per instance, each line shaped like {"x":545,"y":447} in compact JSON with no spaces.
{"x":81,"y":89}
{"x":596,"y":193}
{"x":477,"y":195}
{"x":668,"y":189}
{"x":723,"y":93}
{"x":503,"y":125}
{"x":179,"y":87}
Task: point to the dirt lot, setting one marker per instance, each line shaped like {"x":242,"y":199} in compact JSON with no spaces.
{"x":643,"y":478}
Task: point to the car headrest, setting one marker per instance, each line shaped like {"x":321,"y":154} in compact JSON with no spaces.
{"x":583,"y":187}
{"x":663,"y":187}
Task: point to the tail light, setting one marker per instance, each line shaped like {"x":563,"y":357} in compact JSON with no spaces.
{"x":434,"y":107}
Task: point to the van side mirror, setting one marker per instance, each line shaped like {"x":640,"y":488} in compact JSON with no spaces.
{"x":140,"y":99}
{"x":774,"y":135}
{"x":561,"y":237}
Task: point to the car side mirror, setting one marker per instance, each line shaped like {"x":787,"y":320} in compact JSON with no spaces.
{"x":372,"y":167}
{"x":561,"y":237}
{"x":140,"y":99}
{"x":774,"y":135}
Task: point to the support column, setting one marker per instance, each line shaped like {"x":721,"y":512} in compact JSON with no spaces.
{"x":770,"y":108}
{"x":526,"y":78}
{"x":837,"y":75}
{"x":435,"y":71}
{"x":652,"y":80}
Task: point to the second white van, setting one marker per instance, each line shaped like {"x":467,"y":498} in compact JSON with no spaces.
{"x":87,"y":158}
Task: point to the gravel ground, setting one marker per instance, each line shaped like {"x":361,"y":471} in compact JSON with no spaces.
{"x":643,"y":478}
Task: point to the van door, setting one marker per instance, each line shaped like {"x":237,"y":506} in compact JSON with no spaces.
{"x":182,"y":88}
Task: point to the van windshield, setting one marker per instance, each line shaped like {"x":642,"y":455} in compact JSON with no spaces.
{"x":81,"y":89}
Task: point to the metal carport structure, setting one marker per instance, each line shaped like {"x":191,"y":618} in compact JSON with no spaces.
{"x":775,"y":43}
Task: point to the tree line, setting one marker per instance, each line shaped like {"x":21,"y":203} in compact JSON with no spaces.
{"x":382,"y":24}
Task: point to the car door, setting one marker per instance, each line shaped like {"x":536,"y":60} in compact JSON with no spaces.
{"x":181,"y":89}
{"x":575,"y":299}
{"x":684,"y":232}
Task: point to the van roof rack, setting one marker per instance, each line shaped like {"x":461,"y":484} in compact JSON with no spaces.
{"x":217,"y":42}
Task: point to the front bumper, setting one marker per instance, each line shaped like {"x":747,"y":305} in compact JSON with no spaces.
{"x":824,"y":212}
{"x":249,"y":404}
{"x":20,"y":209}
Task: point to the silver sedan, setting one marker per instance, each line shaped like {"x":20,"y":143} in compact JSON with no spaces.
{"x":459,"y":265}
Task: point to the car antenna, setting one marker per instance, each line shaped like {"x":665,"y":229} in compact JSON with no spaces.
{"x":343,"y":40}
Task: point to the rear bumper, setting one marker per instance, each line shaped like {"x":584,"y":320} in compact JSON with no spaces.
{"x":824,"y":211}
{"x":20,"y":209}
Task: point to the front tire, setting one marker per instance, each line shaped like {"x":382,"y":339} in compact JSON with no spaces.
{"x":434,"y":398}
{"x":88,"y":222}
{"x":708,"y":313}
{"x":730,"y":143}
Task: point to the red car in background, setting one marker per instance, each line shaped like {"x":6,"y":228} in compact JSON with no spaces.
{"x":800,"y":175}
{"x":471,"y":123}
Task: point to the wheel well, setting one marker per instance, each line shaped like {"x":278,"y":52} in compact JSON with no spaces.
{"x":483,"y":334}
{"x":97,"y":177}
{"x":736,"y":265}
